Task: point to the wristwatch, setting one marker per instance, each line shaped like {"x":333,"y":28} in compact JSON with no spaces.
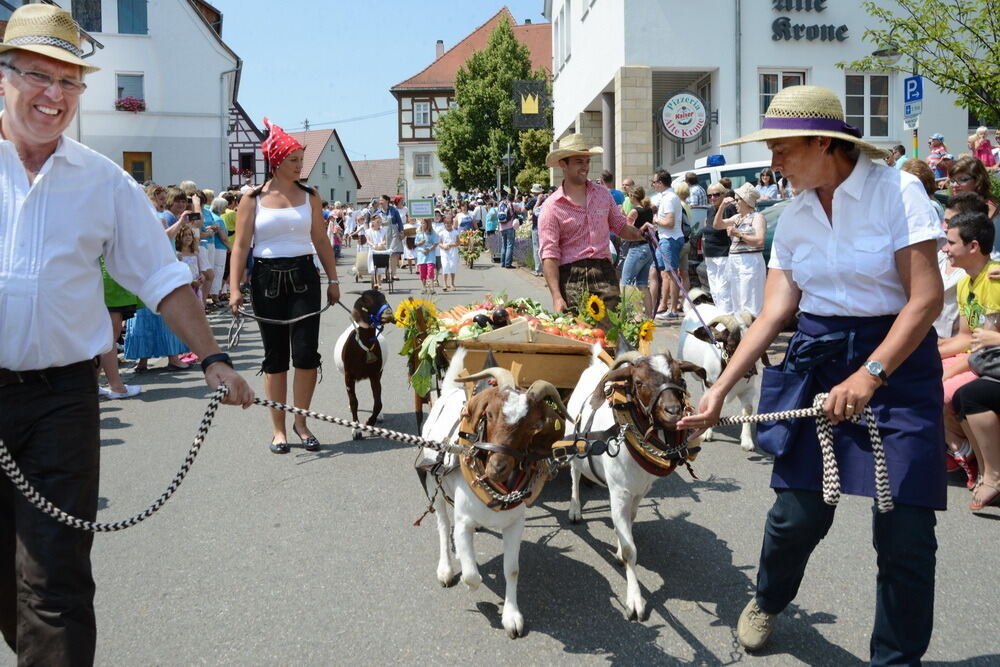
{"x":333,"y":282}
{"x":876,"y":369}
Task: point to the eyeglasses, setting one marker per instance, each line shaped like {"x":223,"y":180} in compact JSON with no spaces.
{"x":43,"y":80}
{"x":962,"y":180}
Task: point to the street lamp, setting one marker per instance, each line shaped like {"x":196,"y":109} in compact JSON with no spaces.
{"x":508,"y":160}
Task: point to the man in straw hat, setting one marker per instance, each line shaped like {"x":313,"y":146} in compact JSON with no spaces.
{"x":855,"y":253}
{"x":574,"y":230}
{"x":54,"y":324}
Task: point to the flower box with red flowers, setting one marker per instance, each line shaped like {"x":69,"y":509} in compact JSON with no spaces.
{"x":133,"y":104}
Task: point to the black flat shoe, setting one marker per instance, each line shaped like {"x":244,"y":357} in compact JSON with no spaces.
{"x":280,"y":447}
{"x":311,"y":443}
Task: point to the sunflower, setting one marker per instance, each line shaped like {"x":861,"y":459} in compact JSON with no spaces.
{"x":403,"y":314}
{"x":595,"y":307}
{"x":646,"y":330}
{"x":429,"y":309}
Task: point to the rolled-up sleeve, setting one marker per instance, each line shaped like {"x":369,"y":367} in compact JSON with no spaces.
{"x":139,"y":255}
{"x":548,"y":233}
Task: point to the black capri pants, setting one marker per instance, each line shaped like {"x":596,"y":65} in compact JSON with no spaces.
{"x":284,"y":288}
{"x":982,"y":395}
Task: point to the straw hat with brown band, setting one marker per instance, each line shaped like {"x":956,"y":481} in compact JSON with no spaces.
{"x":48,"y":31}
{"x":572,"y":145}
{"x":807,"y":111}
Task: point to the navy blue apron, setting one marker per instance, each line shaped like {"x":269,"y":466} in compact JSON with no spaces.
{"x":823,"y":353}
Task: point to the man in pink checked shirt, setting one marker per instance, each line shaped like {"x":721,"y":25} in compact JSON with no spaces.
{"x":574,"y":229}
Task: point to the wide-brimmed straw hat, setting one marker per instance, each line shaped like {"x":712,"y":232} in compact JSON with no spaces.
{"x":572,"y":145}
{"x":748,"y":193}
{"x":537,"y":189}
{"x":807,"y":111}
{"x":48,"y":31}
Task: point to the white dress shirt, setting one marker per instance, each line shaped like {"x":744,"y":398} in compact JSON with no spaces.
{"x":52,"y":233}
{"x":848,"y":267}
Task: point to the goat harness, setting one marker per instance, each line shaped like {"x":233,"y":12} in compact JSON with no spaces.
{"x":657,"y":451}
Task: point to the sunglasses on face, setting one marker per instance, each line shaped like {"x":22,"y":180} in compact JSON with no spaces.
{"x":714,"y":194}
{"x":962,"y":180}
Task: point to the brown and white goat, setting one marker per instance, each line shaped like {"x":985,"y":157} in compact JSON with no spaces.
{"x":514,"y":419}
{"x":656,"y":386}
{"x":358,"y":352}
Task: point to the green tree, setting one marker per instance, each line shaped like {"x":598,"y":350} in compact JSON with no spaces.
{"x":533,"y":147}
{"x":474,"y":136}
{"x":953,"y":43}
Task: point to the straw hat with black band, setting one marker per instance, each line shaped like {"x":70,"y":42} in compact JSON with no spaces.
{"x":807,"y":111}
{"x":48,"y":31}
{"x":572,"y":145}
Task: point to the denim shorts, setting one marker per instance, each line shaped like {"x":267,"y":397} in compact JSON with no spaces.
{"x":670,"y":252}
{"x":635,"y":271}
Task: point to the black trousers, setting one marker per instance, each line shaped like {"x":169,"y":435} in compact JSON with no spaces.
{"x":52,"y":429}
{"x":905,"y":548}
{"x":284,"y":288}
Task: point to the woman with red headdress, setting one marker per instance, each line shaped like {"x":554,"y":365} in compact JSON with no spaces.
{"x":285,"y":220}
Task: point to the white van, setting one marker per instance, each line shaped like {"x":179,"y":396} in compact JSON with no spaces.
{"x":740,"y":172}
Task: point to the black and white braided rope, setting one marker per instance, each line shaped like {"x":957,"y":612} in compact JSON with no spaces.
{"x":13,"y":472}
{"x":824,"y":433}
{"x":24,"y":486}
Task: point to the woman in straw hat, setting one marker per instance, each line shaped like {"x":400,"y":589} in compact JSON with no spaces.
{"x":855,"y":253}
{"x":574,"y":230}
{"x":746,"y":251}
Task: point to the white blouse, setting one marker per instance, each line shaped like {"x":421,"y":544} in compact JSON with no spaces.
{"x":52,"y":233}
{"x":848,"y":267}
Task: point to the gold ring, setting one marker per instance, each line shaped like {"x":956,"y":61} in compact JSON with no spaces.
{"x":849,"y":406}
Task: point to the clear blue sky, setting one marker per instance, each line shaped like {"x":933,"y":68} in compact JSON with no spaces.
{"x":331,"y":60}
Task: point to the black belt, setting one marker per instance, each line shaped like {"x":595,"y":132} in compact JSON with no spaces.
{"x":8,"y":377}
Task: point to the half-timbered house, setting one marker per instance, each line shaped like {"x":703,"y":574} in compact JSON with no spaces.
{"x":245,"y":156}
{"x":426,"y":96}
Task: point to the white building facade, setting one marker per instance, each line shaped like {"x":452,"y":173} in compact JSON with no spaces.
{"x":616,"y":62}
{"x":170,"y":54}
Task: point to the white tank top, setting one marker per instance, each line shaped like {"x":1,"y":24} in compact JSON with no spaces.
{"x":283,"y":232}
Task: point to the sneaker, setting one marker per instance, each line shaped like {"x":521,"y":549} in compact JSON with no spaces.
{"x":664,"y":315}
{"x":754,"y":627}
{"x":130,"y":391}
{"x":971,"y":468}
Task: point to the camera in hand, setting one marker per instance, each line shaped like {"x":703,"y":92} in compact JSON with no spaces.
{"x":194,"y":216}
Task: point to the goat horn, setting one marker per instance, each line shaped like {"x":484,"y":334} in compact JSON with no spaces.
{"x":626,"y":358}
{"x":541,"y":389}
{"x":504,"y":378}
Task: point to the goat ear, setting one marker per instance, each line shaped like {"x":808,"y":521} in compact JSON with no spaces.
{"x":702,"y":334}
{"x":688,"y":367}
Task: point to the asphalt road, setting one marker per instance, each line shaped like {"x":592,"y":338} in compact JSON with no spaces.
{"x":313,"y":559}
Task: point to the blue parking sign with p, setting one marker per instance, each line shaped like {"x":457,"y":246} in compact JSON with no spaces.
{"x":913,"y":89}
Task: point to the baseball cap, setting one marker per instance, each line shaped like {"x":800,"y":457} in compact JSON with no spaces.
{"x":937,"y":135}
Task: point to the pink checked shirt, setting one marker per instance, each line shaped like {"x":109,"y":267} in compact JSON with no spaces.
{"x":568,"y":233}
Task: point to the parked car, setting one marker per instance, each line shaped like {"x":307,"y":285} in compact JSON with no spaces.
{"x":740,"y":173}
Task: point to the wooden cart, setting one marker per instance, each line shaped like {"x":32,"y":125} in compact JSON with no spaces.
{"x":529,"y":355}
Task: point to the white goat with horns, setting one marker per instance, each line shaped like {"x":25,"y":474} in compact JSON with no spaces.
{"x":654,"y":386}
{"x":695,"y":345}
{"x":513,"y":426}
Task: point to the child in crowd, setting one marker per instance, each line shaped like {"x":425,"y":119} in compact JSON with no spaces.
{"x":188,"y":252}
{"x":449,"y":253}
{"x":425,"y":247}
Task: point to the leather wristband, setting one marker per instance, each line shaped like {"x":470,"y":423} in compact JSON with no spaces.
{"x":213,"y":358}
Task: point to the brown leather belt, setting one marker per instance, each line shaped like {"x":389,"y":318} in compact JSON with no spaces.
{"x":8,"y":377}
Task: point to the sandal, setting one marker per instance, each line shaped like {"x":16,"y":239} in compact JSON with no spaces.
{"x":978,"y":504}
{"x":311,"y":443}
{"x":280,"y":447}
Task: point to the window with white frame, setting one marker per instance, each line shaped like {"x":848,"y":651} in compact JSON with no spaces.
{"x":677,"y":151}
{"x":567,"y":22}
{"x":866,"y":101}
{"x":88,"y":14}
{"x":422,"y":165}
{"x":324,"y":168}
{"x":132,"y":17}
{"x":130,"y":85}
{"x":422,"y":113}
{"x":557,"y":41}
{"x":340,"y":170}
{"x":773,"y":81}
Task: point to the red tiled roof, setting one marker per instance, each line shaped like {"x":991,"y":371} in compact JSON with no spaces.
{"x":378,"y":177}
{"x":441,"y":73}
{"x":315,"y":141}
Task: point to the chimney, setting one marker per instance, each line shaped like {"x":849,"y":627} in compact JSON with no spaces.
{"x":527,"y":21}
{"x":439,"y":48}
